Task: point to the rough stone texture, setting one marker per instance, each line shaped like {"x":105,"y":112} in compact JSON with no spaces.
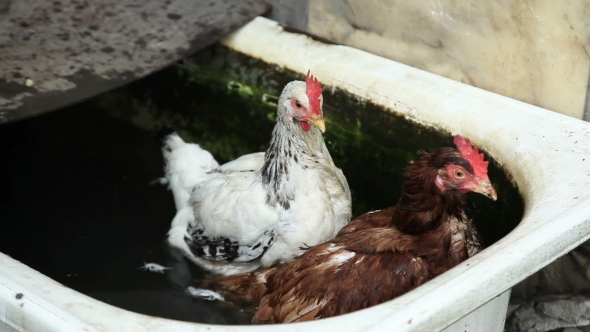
{"x":569,"y":274}
{"x":557,"y":296}
{"x":291,"y":14}
{"x":53,"y":53}
{"x":534,"y":51}
{"x":549,"y":313}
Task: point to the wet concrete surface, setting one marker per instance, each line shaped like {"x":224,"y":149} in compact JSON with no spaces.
{"x":55,"y":53}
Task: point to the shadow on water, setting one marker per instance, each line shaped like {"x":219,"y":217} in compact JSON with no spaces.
{"x":81,"y":210}
{"x":80,"y":207}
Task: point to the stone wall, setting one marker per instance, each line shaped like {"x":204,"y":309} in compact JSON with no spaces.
{"x":534,"y":51}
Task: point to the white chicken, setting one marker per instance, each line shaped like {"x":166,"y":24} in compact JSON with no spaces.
{"x":260,"y":209}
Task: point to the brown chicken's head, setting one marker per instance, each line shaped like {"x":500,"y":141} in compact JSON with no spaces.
{"x":467,"y":173}
{"x":302,"y":103}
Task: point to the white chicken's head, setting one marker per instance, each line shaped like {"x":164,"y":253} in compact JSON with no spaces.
{"x":302,"y":102}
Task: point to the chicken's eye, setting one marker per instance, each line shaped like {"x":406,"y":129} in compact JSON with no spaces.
{"x":298,"y":104}
{"x":459,"y":174}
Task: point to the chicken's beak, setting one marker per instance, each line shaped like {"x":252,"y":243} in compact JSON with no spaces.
{"x":318,"y":122}
{"x":484,"y":187}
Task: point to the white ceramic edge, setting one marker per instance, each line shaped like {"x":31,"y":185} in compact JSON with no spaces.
{"x":490,"y":317}
{"x":542,"y":150}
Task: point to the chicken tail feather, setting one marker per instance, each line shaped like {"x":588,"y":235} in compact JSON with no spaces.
{"x":186,"y":166}
{"x":163,"y":133}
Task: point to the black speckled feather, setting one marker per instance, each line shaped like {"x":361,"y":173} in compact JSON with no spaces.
{"x":226,"y":249}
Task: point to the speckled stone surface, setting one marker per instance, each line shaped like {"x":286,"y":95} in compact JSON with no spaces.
{"x":55,"y":53}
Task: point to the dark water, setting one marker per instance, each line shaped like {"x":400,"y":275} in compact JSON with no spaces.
{"x":78,"y":205}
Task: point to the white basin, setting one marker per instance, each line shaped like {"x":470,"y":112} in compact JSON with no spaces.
{"x":547,"y":155}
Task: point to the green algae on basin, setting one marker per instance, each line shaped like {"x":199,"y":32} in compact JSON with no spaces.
{"x":226,"y":102}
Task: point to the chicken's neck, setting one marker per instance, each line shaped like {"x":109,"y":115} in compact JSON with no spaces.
{"x":422,"y":206}
{"x":290,"y":147}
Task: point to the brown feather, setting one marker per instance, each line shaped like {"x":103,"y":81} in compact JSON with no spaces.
{"x":380,"y":218}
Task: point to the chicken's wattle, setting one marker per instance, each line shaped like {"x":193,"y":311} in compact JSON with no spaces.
{"x":304,"y":125}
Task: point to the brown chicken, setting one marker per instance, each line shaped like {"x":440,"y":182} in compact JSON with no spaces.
{"x":379,"y":255}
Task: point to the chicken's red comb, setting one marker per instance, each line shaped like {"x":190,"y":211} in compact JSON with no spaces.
{"x":472,"y":154}
{"x":314,"y":91}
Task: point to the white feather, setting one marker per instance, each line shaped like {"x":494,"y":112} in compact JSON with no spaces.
{"x":204,"y":294}
{"x":343,"y":257}
{"x":154,"y":267}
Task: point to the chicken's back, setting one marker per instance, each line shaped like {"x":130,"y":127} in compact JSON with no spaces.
{"x":373,"y":219}
{"x":232,"y":205}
